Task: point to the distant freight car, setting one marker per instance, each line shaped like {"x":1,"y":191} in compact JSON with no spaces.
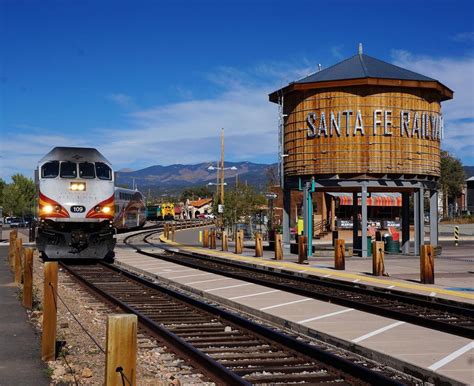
{"x":153,"y":213}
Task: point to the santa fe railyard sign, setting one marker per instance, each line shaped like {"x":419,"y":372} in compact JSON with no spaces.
{"x":412,"y":124}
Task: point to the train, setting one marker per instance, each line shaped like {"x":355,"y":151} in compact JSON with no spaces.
{"x":167,"y":211}
{"x":129,"y":209}
{"x":79,"y":207}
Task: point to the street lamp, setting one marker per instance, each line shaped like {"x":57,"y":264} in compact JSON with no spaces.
{"x":218,"y":168}
{"x":222,"y":183}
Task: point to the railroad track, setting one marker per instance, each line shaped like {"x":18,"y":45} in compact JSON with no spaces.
{"x":444,"y":315}
{"x":225,"y":346}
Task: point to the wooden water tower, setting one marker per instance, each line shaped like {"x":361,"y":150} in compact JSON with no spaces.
{"x":361,"y":126}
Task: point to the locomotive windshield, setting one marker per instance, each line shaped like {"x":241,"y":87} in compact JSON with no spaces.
{"x":50,"y":169}
{"x":103,"y":171}
{"x":68,"y":169}
{"x":86,"y":170}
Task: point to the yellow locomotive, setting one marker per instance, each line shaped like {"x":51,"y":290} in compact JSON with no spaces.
{"x":167,"y":211}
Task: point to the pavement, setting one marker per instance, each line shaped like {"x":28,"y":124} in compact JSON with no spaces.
{"x":454,"y":277}
{"x":410,"y":348}
{"x":20,"y":356}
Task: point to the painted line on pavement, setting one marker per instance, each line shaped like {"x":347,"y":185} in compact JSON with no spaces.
{"x":208,"y":281}
{"x":325,"y":316}
{"x":256,"y":294}
{"x":230,"y":286}
{"x":451,"y":357}
{"x":376,"y":332}
{"x":185,"y":276}
{"x":285,"y":304}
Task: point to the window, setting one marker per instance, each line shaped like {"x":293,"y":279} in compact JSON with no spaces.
{"x":86,"y":170}
{"x":50,"y":169}
{"x":103,"y":171}
{"x":68,"y":169}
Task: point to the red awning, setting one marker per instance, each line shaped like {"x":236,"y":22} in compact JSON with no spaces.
{"x":375,"y":199}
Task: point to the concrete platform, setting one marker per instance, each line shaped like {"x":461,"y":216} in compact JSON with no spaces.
{"x":442,"y":353}
{"x":20,"y":356}
{"x":454,"y":278}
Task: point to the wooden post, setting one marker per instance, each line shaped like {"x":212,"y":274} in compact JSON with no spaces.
{"x":212,"y":241}
{"x":340,"y":254}
{"x":165,"y":230}
{"x":18,"y":252}
{"x":50,"y":287}
{"x":12,"y":247}
{"x":205,"y":238}
{"x":239,"y":242}
{"x":173,"y":232}
{"x":302,"y":250}
{"x":427,"y":264}
{"x":378,"y":265}
{"x":278,"y":247}
{"x":225,"y":241}
{"x":28,"y":279}
{"x":258,"y":244}
{"x":121,"y":351}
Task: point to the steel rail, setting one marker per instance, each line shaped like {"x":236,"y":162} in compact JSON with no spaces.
{"x":394,"y":300}
{"x":211,"y":366}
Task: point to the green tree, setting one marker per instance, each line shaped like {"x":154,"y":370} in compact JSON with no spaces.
{"x":452,"y":178}
{"x":19,"y":196}
{"x":195,"y":193}
{"x":2,"y":186}
{"x":273,"y":178}
{"x":241,"y":203}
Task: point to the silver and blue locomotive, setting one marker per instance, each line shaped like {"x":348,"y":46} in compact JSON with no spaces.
{"x":76,"y":205}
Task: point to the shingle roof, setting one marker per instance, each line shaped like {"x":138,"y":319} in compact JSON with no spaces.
{"x":363,"y":66}
{"x":200,"y":202}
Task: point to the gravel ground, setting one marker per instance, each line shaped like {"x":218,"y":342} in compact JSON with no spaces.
{"x":80,"y":361}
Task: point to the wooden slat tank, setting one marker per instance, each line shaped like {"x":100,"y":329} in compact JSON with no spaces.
{"x":362,"y":117}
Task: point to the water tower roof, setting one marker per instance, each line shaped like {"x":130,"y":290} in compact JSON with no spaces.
{"x":362,"y":70}
{"x":363,"y":66}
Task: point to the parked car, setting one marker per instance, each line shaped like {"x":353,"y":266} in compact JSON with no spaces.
{"x":17,"y":222}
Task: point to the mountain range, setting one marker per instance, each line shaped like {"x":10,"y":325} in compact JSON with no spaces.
{"x":172,"y":179}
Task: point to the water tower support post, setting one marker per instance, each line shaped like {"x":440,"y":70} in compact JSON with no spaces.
{"x":363,"y":203}
{"x":434,"y":218}
{"x":286,"y":217}
{"x":405,"y":223}
{"x":355,"y":221}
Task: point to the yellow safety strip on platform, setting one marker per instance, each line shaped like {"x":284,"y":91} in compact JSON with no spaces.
{"x":309,"y":269}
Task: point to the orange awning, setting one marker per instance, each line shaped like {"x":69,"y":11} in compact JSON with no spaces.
{"x":375,"y":199}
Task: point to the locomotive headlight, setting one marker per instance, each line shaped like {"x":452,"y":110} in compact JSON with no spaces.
{"x":106,"y":209}
{"x":48,"y":209}
{"x":77,"y":186}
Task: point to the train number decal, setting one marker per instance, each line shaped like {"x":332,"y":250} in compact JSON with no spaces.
{"x":78,"y":209}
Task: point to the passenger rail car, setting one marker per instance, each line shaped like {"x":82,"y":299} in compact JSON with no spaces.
{"x":129,"y":209}
{"x":75,"y":204}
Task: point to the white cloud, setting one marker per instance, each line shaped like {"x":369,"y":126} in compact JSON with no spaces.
{"x":188,"y":131}
{"x":121,"y":99}
{"x":464,"y":37}
{"x":458,"y":75}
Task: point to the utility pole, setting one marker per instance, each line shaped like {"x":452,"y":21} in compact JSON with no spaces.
{"x":222,"y":168}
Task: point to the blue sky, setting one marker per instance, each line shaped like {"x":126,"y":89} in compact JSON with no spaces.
{"x":152,"y":82}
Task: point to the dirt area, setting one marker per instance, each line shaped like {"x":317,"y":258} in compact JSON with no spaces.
{"x":80,"y":361}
